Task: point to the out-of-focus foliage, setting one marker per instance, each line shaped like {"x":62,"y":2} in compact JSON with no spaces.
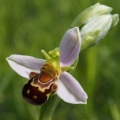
{"x":26,"y":27}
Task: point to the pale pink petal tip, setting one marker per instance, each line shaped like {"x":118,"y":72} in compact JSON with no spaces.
{"x":70,"y":46}
{"x":23,"y":65}
{"x":70,"y":90}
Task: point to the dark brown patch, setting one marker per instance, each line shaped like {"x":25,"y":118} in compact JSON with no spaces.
{"x":35,"y":96}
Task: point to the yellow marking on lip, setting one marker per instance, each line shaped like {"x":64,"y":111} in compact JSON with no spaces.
{"x":35,"y":96}
{"x":40,"y":89}
{"x":48,"y":95}
{"x":28,"y":91}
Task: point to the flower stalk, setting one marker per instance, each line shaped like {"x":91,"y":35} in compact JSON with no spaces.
{"x":48,"y":108}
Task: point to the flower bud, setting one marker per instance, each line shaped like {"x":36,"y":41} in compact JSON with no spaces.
{"x":95,"y":30}
{"x":94,"y":23}
{"x":90,"y":13}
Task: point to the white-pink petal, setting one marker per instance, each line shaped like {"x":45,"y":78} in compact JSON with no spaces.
{"x":23,"y":65}
{"x":70,"y":46}
{"x":70,"y":90}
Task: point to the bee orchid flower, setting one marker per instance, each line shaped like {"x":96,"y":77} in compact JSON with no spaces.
{"x":49,"y":76}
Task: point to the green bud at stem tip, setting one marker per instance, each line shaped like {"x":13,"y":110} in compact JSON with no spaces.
{"x":90,"y":13}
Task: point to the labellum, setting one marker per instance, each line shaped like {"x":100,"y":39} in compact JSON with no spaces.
{"x":41,"y":85}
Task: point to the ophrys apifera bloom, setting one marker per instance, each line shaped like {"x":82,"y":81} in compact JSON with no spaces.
{"x":49,"y":76}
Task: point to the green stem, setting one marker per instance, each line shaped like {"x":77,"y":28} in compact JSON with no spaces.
{"x":48,"y":108}
{"x":42,"y":110}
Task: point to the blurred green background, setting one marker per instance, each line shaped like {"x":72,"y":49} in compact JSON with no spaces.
{"x":26,"y":27}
